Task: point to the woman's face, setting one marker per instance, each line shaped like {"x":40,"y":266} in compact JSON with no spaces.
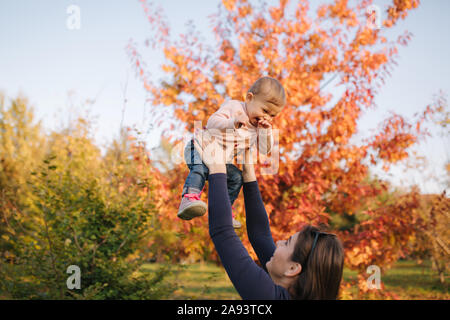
{"x":281,"y":264}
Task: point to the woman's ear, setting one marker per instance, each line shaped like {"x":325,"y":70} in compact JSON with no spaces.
{"x":294,"y":269}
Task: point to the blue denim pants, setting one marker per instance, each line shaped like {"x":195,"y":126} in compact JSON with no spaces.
{"x":198,"y":173}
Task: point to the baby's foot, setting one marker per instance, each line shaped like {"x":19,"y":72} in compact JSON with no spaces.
{"x":236,"y":224}
{"x":191,"y":206}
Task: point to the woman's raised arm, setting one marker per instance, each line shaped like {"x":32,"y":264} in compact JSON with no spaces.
{"x":250,"y":281}
{"x":258,"y":228}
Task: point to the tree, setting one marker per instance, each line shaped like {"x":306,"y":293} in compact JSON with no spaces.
{"x":21,"y":149}
{"x":320,"y":171}
{"x":82,"y":210}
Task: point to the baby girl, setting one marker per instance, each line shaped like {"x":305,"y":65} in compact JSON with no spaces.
{"x":264,"y":100}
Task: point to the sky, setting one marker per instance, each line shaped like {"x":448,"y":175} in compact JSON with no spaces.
{"x":56,"y":67}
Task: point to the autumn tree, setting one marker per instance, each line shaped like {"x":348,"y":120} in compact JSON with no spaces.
{"x":320,"y":170}
{"x":21,"y":148}
{"x":431,"y":243}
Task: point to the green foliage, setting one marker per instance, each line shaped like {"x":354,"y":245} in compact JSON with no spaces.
{"x":79,"y":210}
{"x":349,"y":221}
{"x":21,"y":148}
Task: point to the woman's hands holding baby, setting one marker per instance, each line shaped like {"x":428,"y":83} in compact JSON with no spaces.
{"x":212,"y":152}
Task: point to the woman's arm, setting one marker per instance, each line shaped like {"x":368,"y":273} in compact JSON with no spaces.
{"x":258,"y":228}
{"x":250,"y":281}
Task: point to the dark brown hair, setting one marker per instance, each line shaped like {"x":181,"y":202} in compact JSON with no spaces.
{"x":270,"y":89}
{"x":322,"y":268}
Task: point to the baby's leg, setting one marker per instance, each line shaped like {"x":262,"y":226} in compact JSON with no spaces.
{"x":234,"y":182}
{"x":195,"y":180}
{"x":198,"y":171}
{"x":191,"y":206}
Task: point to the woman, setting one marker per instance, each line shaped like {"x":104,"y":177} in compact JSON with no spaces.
{"x":308,"y":265}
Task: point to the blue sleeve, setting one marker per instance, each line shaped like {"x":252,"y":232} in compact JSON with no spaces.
{"x":258,"y":228}
{"x":250,"y":281}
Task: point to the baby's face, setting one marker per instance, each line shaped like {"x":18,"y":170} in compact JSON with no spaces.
{"x":259,"y":108}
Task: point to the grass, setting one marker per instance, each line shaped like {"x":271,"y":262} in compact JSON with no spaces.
{"x":406,"y":279}
{"x":200,"y":281}
{"x":412,"y":281}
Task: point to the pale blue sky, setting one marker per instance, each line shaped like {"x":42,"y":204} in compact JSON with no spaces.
{"x":42,"y":58}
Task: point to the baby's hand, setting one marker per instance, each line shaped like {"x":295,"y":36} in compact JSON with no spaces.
{"x":240,"y":119}
{"x":264,"y":124}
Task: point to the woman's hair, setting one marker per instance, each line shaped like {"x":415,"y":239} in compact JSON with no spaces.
{"x":322,"y":265}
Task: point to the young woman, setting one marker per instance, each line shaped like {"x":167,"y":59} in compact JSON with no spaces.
{"x":308,"y":265}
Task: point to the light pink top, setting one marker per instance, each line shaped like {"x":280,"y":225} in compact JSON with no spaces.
{"x":224,"y":117}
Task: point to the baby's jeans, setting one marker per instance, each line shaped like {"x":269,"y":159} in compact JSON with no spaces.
{"x":198,"y":173}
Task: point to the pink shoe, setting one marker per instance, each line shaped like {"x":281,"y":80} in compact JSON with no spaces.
{"x":191,"y":206}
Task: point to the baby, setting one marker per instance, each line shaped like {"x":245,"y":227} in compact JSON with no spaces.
{"x":264,"y":100}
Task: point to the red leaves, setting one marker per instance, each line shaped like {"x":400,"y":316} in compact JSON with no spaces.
{"x":385,"y":236}
{"x":396,"y":136}
{"x":320,"y":173}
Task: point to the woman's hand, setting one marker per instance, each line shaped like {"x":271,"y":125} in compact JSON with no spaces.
{"x":211,"y":151}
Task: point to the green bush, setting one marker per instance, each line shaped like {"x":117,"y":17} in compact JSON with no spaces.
{"x":80,"y":209}
{"x":77,"y":221}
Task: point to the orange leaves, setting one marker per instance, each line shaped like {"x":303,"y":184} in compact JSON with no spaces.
{"x":244,"y":11}
{"x":227,"y":50}
{"x":372,"y":60}
{"x":394,"y":139}
{"x":337,"y":10}
{"x":399,"y":10}
{"x":230,"y":5}
{"x":276,"y":13}
{"x":320,"y":173}
{"x":393,"y":150}
{"x":322,"y":10}
{"x":366,"y":37}
{"x":315,"y":41}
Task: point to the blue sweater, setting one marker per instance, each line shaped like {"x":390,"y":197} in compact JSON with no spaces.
{"x":250,"y":280}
